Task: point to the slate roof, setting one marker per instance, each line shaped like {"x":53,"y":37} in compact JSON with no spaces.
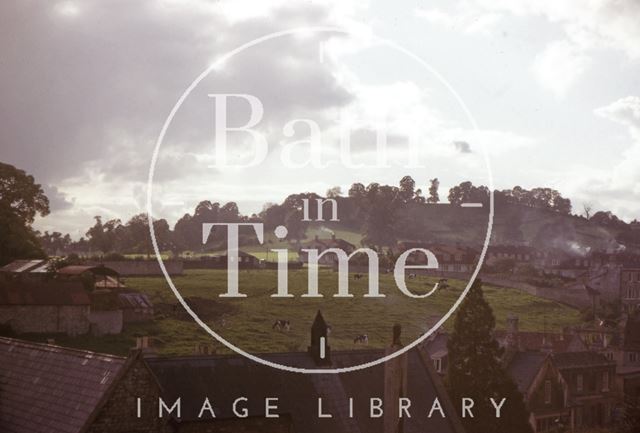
{"x":43,"y":293}
{"x":51,"y":389}
{"x":224,"y":378}
{"x":437,"y":345}
{"x":523,"y":368}
{"x":18,"y":266}
{"x":580,"y":360}
{"x":531,"y":341}
{"x":134,"y":300}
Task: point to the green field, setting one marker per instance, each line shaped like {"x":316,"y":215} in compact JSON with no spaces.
{"x":247,"y":322}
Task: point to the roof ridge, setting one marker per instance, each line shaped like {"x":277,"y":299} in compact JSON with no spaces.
{"x":44,"y":346}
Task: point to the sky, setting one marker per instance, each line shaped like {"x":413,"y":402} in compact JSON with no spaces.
{"x":85,"y":88}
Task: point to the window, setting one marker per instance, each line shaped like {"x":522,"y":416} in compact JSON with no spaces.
{"x":633,"y":356}
{"x":437,"y":363}
{"x":579,"y":383}
{"x":605,"y":381}
{"x":609,"y":356}
{"x":547,"y":391}
{"x":578,"y":418}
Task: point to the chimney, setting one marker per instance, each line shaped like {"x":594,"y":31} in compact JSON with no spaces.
{"x":333,"y":236}
{"x":512,"y":340}
{"x":319,"y":349}
{"x":316,"y":237}
{"x":395,"y":384}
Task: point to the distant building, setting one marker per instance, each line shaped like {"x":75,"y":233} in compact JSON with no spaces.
{"x":46,"y":388}
{"x":323,"y":245}
{"x":245,"y":261}
{"x":142,"y":268}
{"x":451,"y":258}
{"x":45,"y":307}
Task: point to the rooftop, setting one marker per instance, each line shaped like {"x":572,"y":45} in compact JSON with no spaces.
{"x":48,"y":388}
{"x":224,"y":378}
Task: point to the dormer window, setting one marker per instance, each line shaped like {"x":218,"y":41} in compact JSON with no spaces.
{"x":547,"y":391}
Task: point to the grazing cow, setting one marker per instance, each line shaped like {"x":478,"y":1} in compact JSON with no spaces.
{"x":281,"y":325}
{"x":357,"y":276}
{"x":443,"y":283}
{"x":361,"y":339}
{"x":412,"y":276}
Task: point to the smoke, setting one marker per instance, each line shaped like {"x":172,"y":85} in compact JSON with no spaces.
{"x":578,"y":249}
{"x":327,"y":230}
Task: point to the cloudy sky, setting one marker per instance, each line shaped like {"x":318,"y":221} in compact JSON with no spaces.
{"x":85,"y":87}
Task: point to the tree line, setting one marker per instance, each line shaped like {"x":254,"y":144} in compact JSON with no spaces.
{"x":382,"y":213}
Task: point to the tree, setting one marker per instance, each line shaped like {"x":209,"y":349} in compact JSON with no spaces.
{"x":21,"y":199}
{"x":407,"y":189}
{"x":475,"y":370}
{"x":104,"y":237}
{"x":433,"y":191}
{"x":334,"y":192}
{"x":587,"y":207}
{"x":466,"y":192}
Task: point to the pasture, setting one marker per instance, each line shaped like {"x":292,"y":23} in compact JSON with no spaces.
{"x":247,"y":322}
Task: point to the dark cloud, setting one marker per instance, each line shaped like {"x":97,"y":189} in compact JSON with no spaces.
{"x":80,"y":90}
{"x":462,"y":146}
{"x":58,"y":201}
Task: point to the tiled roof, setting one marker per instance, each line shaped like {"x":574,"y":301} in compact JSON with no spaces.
{"x":224,"y":378}
{"x":579,"y":360}
{"x":51,"y":389}
{"x":43,"y":293}
{"x":524,"y":366}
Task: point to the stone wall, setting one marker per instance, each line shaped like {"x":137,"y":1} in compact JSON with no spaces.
{"x":106,"y":322}
{"x":144,"y":267}
{"x":46,"y":319}
{"x":118,"y":415}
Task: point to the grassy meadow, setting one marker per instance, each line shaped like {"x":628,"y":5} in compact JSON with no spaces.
{"x":247,"y":322}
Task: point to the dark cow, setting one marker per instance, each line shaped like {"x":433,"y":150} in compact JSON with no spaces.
{"x":361,"y":339}
{"x":281,"y":325}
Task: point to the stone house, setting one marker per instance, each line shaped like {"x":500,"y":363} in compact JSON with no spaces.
{"x":542,"y":387}
{"x":47,"y":388}
{"x":590,"y":394}
{"x":45,"y":307}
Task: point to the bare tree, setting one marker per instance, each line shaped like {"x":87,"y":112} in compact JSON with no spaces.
{"x":587,"y":207}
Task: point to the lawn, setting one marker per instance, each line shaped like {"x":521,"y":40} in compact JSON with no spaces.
{"x":247,"y":322}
